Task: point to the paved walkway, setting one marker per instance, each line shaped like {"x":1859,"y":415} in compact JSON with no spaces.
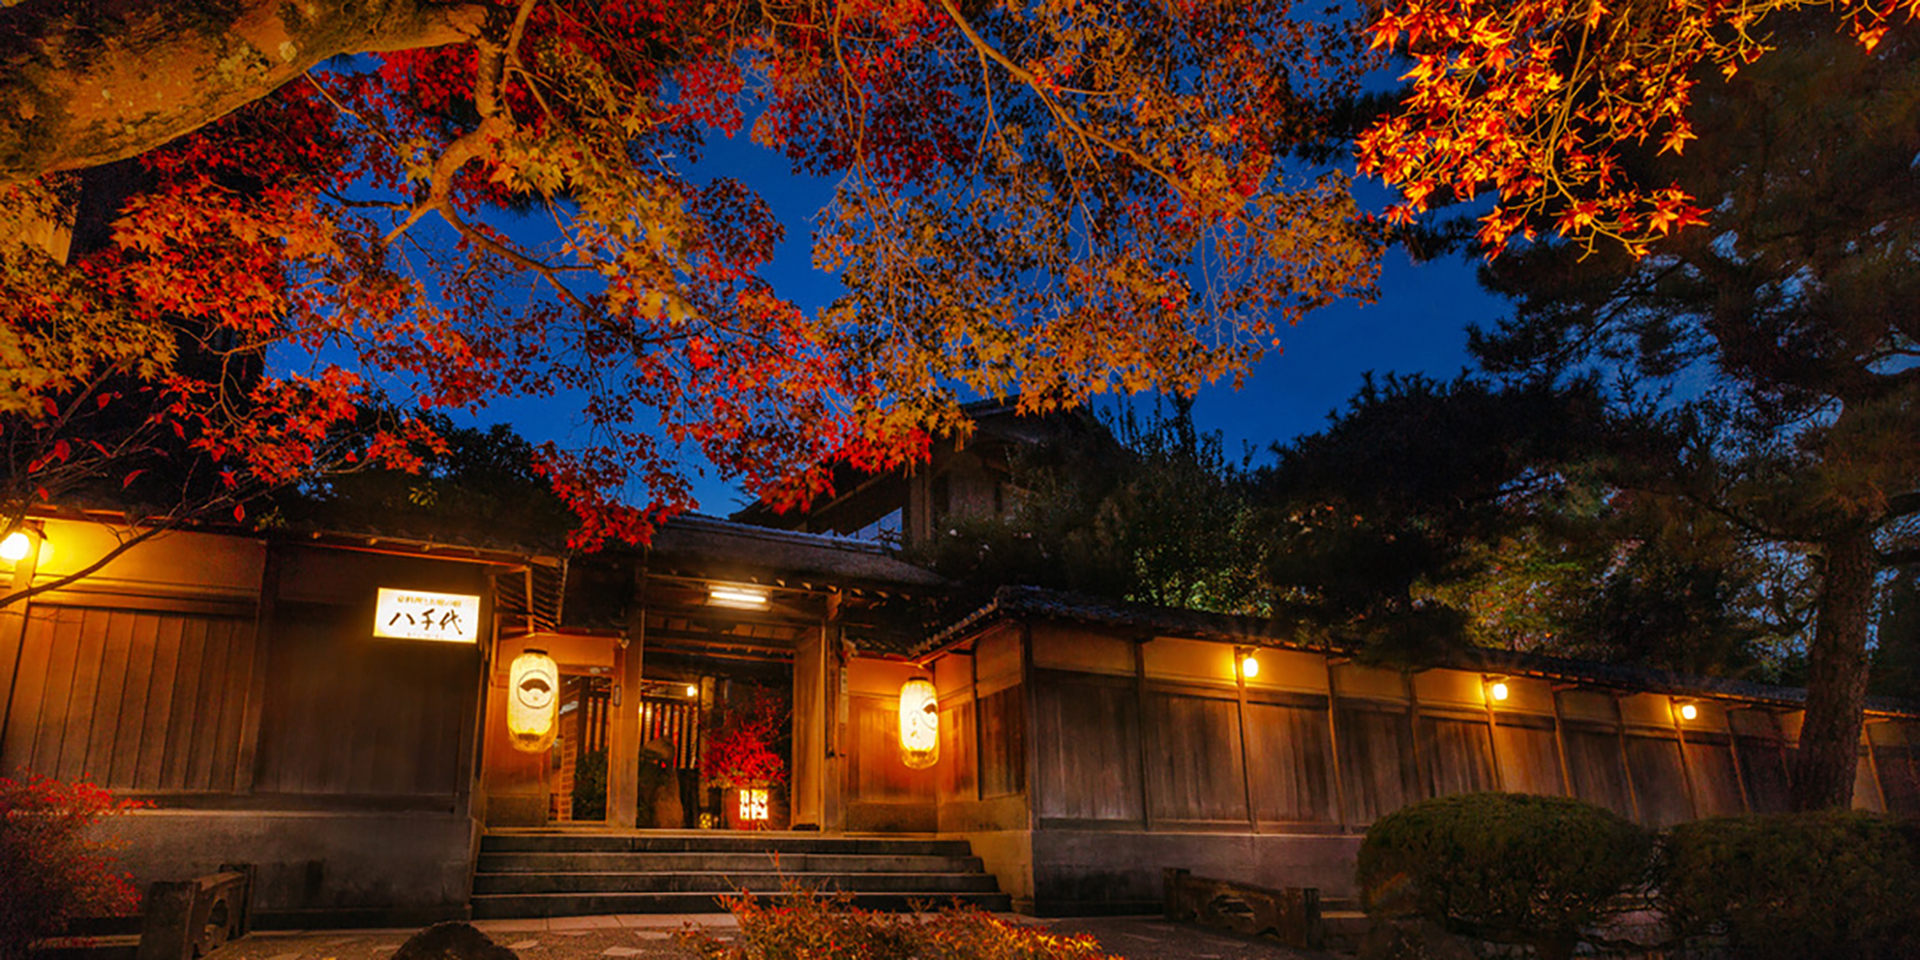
{"x":650,"y":936}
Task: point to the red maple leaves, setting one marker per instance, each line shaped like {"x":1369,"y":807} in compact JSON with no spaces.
{"x":1534,"y":100}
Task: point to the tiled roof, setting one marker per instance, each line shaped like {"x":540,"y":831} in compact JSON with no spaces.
{"x":1145,"y":620}
{"x":707,"y":547}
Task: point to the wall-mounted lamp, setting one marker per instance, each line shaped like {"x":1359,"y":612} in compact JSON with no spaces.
{"x":1244,"y":659}
{"x":1688,"y":711}
{"x":19,"y":544}
{"x":1497,"y":689}
{"x":736,"y":597}
{"x":693,"y":690}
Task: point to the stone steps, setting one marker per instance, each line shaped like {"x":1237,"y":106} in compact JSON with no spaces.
{"x":553,"y":874}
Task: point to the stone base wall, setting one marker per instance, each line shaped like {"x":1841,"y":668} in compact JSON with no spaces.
{"x":1092,"y":872}
{"x":315,"y":869}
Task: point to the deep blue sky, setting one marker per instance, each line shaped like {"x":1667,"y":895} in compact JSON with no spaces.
{"x":1417,"y":325}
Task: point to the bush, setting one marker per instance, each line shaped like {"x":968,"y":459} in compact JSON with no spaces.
{"x":1835,"y":884}
{"x":1503,"y":866}
{"x":51,"y":872}
{"x":590,"y":786}
{"x":805,"y":925}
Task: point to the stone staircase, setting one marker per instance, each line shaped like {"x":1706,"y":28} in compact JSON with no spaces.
{"x":562,"y":874}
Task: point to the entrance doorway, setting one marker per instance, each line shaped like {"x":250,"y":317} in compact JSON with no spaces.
{"x":578,"y":758}
{"x":710,"y":727}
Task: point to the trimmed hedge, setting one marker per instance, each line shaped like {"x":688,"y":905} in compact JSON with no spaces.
{"x":1503,"y":866}
{"x":1835,"y":884}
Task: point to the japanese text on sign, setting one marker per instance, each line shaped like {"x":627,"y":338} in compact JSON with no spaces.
{"x":419,"y":615}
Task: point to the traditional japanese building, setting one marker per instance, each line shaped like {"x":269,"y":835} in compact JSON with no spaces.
{"x":345,"y":712}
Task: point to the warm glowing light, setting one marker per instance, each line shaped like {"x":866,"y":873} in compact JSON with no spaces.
{"x":742,"y":598}
{"x":1688,"y":711}
{"x":753,"y":803}
{"x":919,"y":724}
{"x":533,"y":700}
{"x":15,"y":547}
{"x":1249,"y":667}
{"x":692,"y":690}
{"x":425,"y":615}
{"x":1499,"y":690}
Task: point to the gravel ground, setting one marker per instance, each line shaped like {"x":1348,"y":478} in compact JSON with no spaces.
{"x":645,"y":937}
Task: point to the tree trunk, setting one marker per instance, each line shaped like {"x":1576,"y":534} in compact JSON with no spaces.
{"x":89,"y":82}
{"x":1836,"y":675}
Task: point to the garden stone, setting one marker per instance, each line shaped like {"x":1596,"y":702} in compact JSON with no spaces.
{"x":1412,"y":939}
{"x":452,"y":940}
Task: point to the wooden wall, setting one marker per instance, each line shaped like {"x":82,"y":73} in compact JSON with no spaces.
{"x":167,"y":675}
{"x":133,"y":700}
{"x":1163,"y":736}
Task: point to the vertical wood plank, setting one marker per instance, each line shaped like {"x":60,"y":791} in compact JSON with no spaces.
{"x":142,"y":642}
{"x":1333,"y":741}
{"x":184,"y":721}
{"x":89,"y":659}
{"x":246,"y":762}
{"x":224,"y":774}
{"x":1560,"y":742}
{"x":159,"y":706}
{"x":1240,"y":734}
{"x":1148,"y":733}
{"x":57,"y":696}
{"x":110,"y":697}
{"x":28,"y":688}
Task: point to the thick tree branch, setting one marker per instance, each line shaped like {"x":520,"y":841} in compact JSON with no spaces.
{"x":89,"y":82}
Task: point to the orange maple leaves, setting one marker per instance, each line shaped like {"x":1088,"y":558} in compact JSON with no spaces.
{"x":1535,"y":100}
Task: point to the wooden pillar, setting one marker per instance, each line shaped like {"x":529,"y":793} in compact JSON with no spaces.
{"x":836,"y":709}
{"x":1560,"y":743}
{"x":1420,"y":791}
{"x":1873,"y":761}
{"x":1493,"y":739}
{"x":13,"y":629}
{"x":1733,"y":750}
{"x":808,"y":796}
{"x":1146,"y":731}
{"x":1029,"y":715}
{"x":1333,"y":747}
{"x":1626,"y":767}
{"x":623,"y":725}
{"x":1246,"y":751}
{"x":1686,"y":763}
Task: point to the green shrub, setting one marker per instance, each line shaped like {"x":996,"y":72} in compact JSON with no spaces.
{"x":51,"y":870}
{"x":1503,"y":866}
{"x":805,"y":925}
{"x":1834,"y":884}
{"x":590,"y":786}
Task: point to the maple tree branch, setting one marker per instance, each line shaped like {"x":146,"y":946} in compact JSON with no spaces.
{"x":89,"y":570}
{"x":1060,"y":113}
{"x":480,"y":238}
{"x":87,"y":83}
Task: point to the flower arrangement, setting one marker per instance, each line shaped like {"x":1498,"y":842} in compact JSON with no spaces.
{"x":740,"y":753}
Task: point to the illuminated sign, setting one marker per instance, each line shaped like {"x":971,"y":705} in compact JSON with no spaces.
{"x":419,"y":615}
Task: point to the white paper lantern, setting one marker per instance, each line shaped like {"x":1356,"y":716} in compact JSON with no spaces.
{"x":533,"y":700}
{"x":919,"y":724}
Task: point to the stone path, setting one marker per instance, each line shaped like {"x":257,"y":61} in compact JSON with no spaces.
{"x":651,"y":936}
